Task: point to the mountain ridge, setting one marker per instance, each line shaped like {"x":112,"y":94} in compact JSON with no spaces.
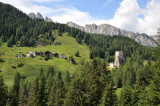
{"x":107,"y":29}
{"x":39,"y":16}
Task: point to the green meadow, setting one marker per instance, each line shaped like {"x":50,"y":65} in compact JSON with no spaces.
{"x":32,"y":66}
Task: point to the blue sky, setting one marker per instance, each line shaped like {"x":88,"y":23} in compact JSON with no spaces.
{"x":133,"y":15}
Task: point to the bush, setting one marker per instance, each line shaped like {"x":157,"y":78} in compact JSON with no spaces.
{"x":71,"y":59}
{"x":77,"y":53}
{"x":57,"y":43}
{"x":20,"y":65}
{"x":1,"y":60}
{"x":14,"y":67}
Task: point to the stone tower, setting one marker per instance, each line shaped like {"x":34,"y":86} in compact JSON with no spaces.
{"x":119,"y":59}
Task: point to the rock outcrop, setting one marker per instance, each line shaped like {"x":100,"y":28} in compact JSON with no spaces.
{"x":111,"y":30}
{"x":155,"y":37}
{"x":39,"y":16}
{"x":119,"y":60}
{"x":32,"y":15}
{"x":48,"y":19}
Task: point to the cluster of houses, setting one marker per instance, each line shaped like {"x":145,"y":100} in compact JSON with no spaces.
{"x":44,"y":53}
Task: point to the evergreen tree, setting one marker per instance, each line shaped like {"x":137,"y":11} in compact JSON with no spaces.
{"x":59,"y":77}
{"x":77,"y":53}
{"x":51,"y":98}
{"x":126,"y":96}
{"x":34,"y":97}
{"x":155,"y":82}
{"x":109,"y":97}
{"x":60,"y":95}
{"x":23,"y":97}
{"x":3,"y":91}
{"x":76,"y":94}
{"x":14,"y":96}
{"x":42,"y":91}
{"x":68,"y":79}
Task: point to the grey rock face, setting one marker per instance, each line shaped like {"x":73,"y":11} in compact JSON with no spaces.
{"x":119,"y":59}
{"x":48,"y":19}
{"x":71,"y":24}
{"x":39,"y":16}
{"x":111,"y":30}
{"x":155,"y":37}
{"x":32,"y":15}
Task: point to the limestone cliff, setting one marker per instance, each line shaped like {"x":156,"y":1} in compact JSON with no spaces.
{"x":111,"y":30}
{"x":39,"y":16}
{"x":119,"y":59}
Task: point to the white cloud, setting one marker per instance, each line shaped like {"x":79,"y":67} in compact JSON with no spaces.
{"x":105,"y":4}
{"x":27,"y":6}
{"x":74,"y":15}
{"x":126,"y":17}
{"x":151,"y":20}
{"x":47,"y":0}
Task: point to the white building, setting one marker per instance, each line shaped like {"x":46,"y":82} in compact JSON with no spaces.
{"x":111,"y":65}
{"x":63,"y":56}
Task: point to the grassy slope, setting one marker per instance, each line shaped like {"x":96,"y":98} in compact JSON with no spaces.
{"x":32,"y":65}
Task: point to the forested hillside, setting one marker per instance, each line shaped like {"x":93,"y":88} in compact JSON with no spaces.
{"x":136,"y":82}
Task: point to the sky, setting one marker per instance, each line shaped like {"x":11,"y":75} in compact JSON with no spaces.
{"x":141,"y":16}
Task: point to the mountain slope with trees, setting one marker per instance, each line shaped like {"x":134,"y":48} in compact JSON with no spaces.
{"x":91,"y":83}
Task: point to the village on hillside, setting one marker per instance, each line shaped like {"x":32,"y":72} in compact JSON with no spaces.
{"x":44,"y":54}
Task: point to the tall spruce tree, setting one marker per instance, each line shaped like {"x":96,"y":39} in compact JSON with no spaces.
{"x":76,"y":94}
{"x":34,"y":97}
{"x":42,"y":91}
{"x":155,"y":82}
{"x":109,"y":97}
{"x":60,"y":94}
{"x":3,"y":91}
{"x":126,"y":96}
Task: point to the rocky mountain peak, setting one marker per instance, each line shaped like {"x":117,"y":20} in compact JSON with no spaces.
{"x":107,"y":29}
{"x":39,"y":16}
{"x":48,"y":19}
{"x":32,"y":15}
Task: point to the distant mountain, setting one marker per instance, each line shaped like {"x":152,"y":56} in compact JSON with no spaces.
{"x":155,"y":37}
{"x":39,"y":16}
{"x":111,"y":30}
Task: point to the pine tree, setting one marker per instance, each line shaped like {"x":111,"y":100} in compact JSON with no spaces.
{"x":76,"y":94}
{"x":155,"y":82}
{"x":3,"y":92}
{"x":51,"y":98}
{"x":59,"y":77}
{"x":41,"y":72}
{"x":23,"y":97}
{"x":94,"y":87}
{"x":126,"y":96}
{"x":42,"y":91}
{"x":60,"y":95}
{"x":109,"y":97}
{"x":16,"y":88}
{"x":34,"y":97}
{"x":16,"y":85}
{"x":67,"y":77}
{"x":77,"y":53}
